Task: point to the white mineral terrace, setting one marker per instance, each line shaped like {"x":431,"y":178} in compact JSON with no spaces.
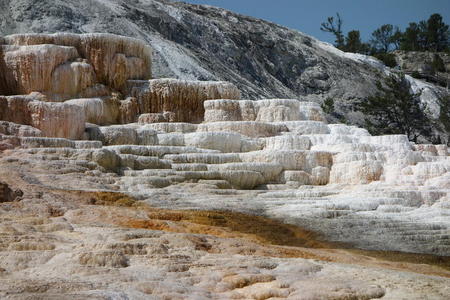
{"x":81,"y":114}
{"x":275,"y":156}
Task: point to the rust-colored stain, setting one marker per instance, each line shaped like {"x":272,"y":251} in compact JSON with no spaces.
{"x":277,"y":238}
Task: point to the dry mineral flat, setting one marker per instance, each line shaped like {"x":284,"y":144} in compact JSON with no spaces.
{"x":61,"y":243}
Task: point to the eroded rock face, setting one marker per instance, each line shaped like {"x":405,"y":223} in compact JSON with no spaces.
{"x":65,"y":65}
{"x":57,"y":119}
{"x":58,"y":82}
{"x":9,"y":128}
{"x":30,"y":68}
{"x":183,"y":98}
{"x":49,"y":68}
{"x":50,"y":119}
{"x":422,"y":63}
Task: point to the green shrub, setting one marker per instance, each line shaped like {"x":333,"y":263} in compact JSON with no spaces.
{"x":328,"y":106}
{"x":438,"y":64}
{"x":444,"y":116}
{"x":416,"y":75}
{"x":387,"y":58}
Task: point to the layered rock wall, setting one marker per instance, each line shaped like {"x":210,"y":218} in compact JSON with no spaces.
{"x":97,"y":78}
{"x":184,"y":99}
{"x":52,"y":119}
{"x":114,"y":59}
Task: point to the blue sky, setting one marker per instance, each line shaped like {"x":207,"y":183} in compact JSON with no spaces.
{"x":364,"y":15}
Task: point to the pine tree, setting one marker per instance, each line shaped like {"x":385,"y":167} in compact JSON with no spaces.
{"x":437,"y":33}
{"x":444,"y":116}
{"x":336,"y":29}
{"x":430,"y":35}
{"x":396,"y":38}
{"x":387,"y":58}
{"x":382,"y":38}
{"x":422,"y":37}
{"x":410,"y":40}
{"x":328,"y":105}
{"x":395,"y":110}
{"x":354,"y":44}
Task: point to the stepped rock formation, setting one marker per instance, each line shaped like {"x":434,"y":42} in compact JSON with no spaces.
{"x":95,"y":156}
{"x":66,"y":65}
{"x":67,"y":79}
{"x":183,"y":99}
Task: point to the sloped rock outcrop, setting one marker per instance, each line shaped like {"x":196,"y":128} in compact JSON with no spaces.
{"x":421,"y":64}
{"x":10,"y":128}
{"x":52,"y":119}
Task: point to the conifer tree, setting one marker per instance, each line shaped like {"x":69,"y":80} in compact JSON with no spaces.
{"x":395,"y":110}
{"x":410,"y":40}
{"x":353,"y":42}
{"x":396,"y":38}
{"x":437,"y":33}
{"x":383,"y":37}
{"x":335,"y":27}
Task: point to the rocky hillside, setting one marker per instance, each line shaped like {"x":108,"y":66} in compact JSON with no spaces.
{"x":430,"y":66}
{"x":262,"y":59}
{"x":199,"y":42}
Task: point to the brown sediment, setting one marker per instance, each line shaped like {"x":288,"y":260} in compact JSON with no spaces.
{"x":108,"y":198}
{"x":257,"y":228}
{"x":414,"y":258}
{"x":275,"y":238}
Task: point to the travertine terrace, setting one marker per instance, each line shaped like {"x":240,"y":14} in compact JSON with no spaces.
{"x":81,"y":117}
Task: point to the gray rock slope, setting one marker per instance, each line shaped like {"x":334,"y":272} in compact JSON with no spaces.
{"x":263,"y":59}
